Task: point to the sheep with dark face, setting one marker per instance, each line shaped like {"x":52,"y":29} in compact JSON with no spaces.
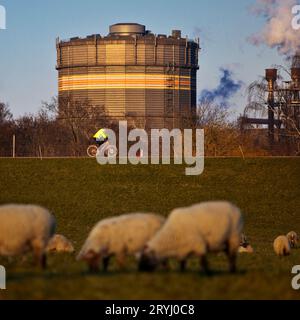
{"x":25,"y":228}
{"x":293,"y":239}
{"x":196,"y":231}
{"x":119,"y":236}
{"x":245,"y":246}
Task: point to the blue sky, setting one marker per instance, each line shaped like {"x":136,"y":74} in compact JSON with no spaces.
{"x":28,"y":54}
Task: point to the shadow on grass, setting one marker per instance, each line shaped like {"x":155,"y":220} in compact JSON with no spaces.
{"x":47,"y":275}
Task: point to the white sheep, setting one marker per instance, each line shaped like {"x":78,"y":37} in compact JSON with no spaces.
{"x":25,"y":228}
{"x":59,"y":243}
{"x":281,"y":246}
{"x":195,"y":231}
{"x":293,"y":238}
{"x":119,"y":236}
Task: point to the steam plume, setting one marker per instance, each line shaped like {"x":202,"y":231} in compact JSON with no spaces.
{"x":224,"y":91}
{"x":278,"y":32}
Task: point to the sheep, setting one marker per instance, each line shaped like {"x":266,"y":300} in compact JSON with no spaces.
{"x":247,"y":249}
{"x":118,"y":236}
{"x":196,"y":231}
{"x":293,"y":238}
{"x":25,"y":228}
{"x":281,"y":246}
{"x":59,"y":243}
{"x":245,"y":246}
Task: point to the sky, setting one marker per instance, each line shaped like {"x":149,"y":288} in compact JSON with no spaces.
{"x":28,"y":52}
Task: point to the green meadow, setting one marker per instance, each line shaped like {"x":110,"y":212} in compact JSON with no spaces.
{"x":80,"y":193}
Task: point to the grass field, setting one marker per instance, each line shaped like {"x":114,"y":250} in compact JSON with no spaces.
{"x":80,"y":192}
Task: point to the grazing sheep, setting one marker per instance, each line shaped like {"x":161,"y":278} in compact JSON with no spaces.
{"x":25,"y":228}
{"x":245,"y":246}
{"x":247,"y":249}
{"x":282,"y":246}
{"x":195,"y":231}
{"x":293,"y":238}
{"x":119,"y":236}
{"x":59,"y":243}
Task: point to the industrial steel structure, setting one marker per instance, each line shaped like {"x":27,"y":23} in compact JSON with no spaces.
{"x":282,"y":101}
{"x":131,"y":74}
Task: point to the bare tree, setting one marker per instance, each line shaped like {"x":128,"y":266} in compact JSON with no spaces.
{"x":6,"y":130}
{"x":78,"y":118}
{"x":5,"y":114}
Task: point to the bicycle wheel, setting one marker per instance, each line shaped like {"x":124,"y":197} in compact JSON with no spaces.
{"x":92,"y":151}
{"x":107,"y":151}
{"x":111,"y":151}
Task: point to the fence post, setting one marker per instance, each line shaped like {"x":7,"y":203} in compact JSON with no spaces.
{"x":40,"y":151}
{"x":242,"y":152}
{"x":14,"y":146}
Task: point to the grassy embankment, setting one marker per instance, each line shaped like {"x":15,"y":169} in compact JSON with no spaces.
{"x":80,"y":192}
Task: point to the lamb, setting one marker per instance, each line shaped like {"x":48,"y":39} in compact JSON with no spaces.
{"x":281,"y":246}
{"x":119,"y":236}
{"x":247,"y":249}
{"x":196,"y":231}
{"x":245,"y":246}
{"x":25,"y":228}
{"x":59,"y":243}
{"x":293,"y":238}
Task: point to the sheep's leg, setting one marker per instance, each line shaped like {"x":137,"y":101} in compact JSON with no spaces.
{"x":231,"y":251}
{"x":94,"y":264}
{"x":121,"y":261}
{"x":182,"y":265}
{"x":165,"y":264}
{"x":43,"y":261}
{"x":232,"y":262}
{"x":105,"y":262}
{"x":40,"y":258}
{"x":24,"y":259}
{"x":204,"y":265}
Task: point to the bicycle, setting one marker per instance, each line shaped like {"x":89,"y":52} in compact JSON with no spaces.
{"x":106,"y":149}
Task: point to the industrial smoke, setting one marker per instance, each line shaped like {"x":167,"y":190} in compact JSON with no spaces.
{"x":278,"y":31}
{"x":226,"y":88}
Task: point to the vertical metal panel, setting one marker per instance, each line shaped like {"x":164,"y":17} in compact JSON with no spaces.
{"x":141,"y":77}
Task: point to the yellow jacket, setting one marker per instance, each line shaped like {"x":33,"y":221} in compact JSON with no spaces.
{"x":100,"y":134}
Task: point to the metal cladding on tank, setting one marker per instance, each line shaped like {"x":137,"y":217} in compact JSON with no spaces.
{"x":131,"y":74}
{"x":271,"y":74}
{"x":127,"y":29}
{"x":176,"y":34}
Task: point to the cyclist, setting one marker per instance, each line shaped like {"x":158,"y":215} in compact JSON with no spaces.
{"x":100,"y":137}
